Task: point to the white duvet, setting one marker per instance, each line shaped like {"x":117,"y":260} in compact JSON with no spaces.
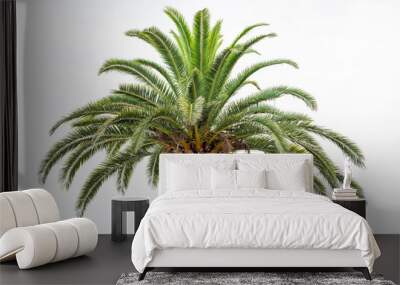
{"x":250,"y":219}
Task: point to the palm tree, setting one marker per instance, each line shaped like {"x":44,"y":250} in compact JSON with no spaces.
{"x":188,"y":104}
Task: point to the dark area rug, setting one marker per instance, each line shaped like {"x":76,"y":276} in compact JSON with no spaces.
{"x":269,"y":278}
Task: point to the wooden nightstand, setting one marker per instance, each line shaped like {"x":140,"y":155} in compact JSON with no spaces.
{"x":358,"y":206}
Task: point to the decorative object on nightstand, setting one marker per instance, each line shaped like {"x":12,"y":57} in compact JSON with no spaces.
{"x":119,"y":207}
{"x":347,"y":174}
{"x":346,"y":192}
{"x":356,"y":205}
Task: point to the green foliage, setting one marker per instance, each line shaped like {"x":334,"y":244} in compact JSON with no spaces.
{"x":188,"y":104}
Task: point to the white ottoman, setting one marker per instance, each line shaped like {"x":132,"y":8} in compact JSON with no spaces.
{"x":34,"y":244}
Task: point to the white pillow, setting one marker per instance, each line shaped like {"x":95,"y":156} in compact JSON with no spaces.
{"x":223,"y":179}
{"x":188,"y":177}
{"x":251,"y":178}
{"x":293,"y":178}
{"x":281,"y":174}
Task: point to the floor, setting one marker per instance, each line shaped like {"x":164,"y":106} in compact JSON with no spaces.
{"x":110,"y":260}
{"x":103,"y":266}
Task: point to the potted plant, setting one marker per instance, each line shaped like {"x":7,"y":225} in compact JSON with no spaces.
{"x":188,"y":104}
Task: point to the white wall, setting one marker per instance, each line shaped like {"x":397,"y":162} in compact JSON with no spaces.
{"x":348,"y":52}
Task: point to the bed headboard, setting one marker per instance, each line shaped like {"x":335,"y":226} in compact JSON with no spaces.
{"x":229,"y":160}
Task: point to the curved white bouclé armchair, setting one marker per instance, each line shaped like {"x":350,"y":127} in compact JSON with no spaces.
{"x":31,"y":232}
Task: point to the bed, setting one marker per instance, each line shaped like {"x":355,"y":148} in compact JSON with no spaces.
{"x":247,"y":210}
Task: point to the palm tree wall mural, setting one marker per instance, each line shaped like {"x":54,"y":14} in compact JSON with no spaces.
{"x":188,"y":104}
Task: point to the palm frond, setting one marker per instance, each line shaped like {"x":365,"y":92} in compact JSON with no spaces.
{"x":319,"y":187}
{"x":161,"y":70}
{"x":275,"y":93}
{"x":139,"y":93}
{"x":199,"y":41}
{"x":184,"y":35}
{"x":62,"y":147}
{"x":103,"y":172}
{"x":140,"y":72}
{"x":225,"y":62}
{"x":101,"y":107}
{"x":81,"y":155}
{"x":275,"y":131}
{"x":214,"y":43}
{"x":246,"y":31}
{"x":153,"y":165}
{"x":346,"y":145}
{"x":233,"y":85}
{"x":192,"y":111}
{"x":165,"y":46}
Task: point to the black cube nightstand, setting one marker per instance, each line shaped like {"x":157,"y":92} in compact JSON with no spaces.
{"x":119,"y":207}
{"x":358,"y":206}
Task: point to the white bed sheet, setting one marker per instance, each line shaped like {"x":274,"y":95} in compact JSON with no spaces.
{"x":252,"y":218}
